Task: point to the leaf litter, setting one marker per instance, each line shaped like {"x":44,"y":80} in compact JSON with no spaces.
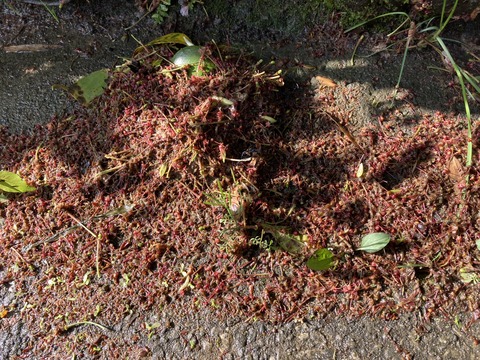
{"x":139,"y":169}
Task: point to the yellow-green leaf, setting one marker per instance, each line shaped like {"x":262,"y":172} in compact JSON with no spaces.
{"x":270,"y":119}
{"x":10,"y":182}
{"x":172,"y":38}
{"x":320,"y":260}
{"x":360,"y":170}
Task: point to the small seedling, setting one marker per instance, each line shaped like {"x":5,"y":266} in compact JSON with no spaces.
{"x":468,"y":276}
{"x":161,"y":12}
{"x":262,"y":242}
{"x":151,"y":328}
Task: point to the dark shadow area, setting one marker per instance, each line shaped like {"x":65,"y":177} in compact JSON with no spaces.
{"x":403,"y":167}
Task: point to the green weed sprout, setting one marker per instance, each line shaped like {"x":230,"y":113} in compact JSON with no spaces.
{"x":161,"y":12}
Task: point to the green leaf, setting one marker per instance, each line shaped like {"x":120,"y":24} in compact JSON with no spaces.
{"x":10,"y":182}
{"x":478,"y":244}
{"x":320,"y":260}
{"x":221,"y":101}
{"x":88,"y":87}
{"x":374,"y":242}
{"x":469,"y":276}
{"x":270,"y":119}
{"x":193,"y":56}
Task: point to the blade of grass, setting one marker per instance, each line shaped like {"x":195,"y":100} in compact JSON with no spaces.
{"x":404,"y":59}
{"x":97,"y":237}
{"x":460,"y":75}
{"x":444,"y":23}
{"x":376,"y":18}
{"x":69,"y":326}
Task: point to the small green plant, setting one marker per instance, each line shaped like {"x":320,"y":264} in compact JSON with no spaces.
{"x":235,"y":201}
{"x":161,"y":12}
{"x":469,"y":276}
{"x":425,"y":34}
{"x":262,"y":241}
{"x":50,"y":8}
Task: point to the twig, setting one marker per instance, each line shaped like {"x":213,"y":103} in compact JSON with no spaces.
{"x":346,"y":132}
{"x":97,"y":255}
{"x":118,"y":211}
{"x":50,"y":239}
{"x":47,"y":3}
{"x":82,"y":225}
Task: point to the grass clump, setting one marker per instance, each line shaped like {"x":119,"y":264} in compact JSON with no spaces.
{"x":425,"y":34}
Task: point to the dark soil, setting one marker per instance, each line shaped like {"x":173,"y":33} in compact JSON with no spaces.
{"x":183,"y":198}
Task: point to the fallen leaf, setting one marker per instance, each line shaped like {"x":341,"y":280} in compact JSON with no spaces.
{"x":88,"y":87}
{"x":455,"y":170}
{"x":360,"y":170}
{"x":3,"y":312}
{"x":321,"y":260}
{"x":474,"y":13}
{"x":324,"y":81}
{"x":172,"y":38}
{"x":374,"y":242}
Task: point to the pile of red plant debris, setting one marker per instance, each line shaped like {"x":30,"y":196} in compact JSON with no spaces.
{"x":212,"y":192}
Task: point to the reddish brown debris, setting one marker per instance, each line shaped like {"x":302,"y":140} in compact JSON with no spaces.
{"x":167,"y":145}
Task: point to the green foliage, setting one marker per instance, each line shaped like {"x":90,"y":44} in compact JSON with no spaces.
{"x":222,"y":198}
{"x":161,"y":12}
{"x":322,"y":259}
{"x":374,"y":242}
{"x":272,"y":237}
{"x":469,"y":277}
{"x":12,"y":183}
{"x":172,"y":38}
{"x":262,"y":241}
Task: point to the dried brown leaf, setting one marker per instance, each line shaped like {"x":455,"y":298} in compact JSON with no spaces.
{"x":324,"y":81}
{"x":455,"y":170}
{"x":474,"y":13}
